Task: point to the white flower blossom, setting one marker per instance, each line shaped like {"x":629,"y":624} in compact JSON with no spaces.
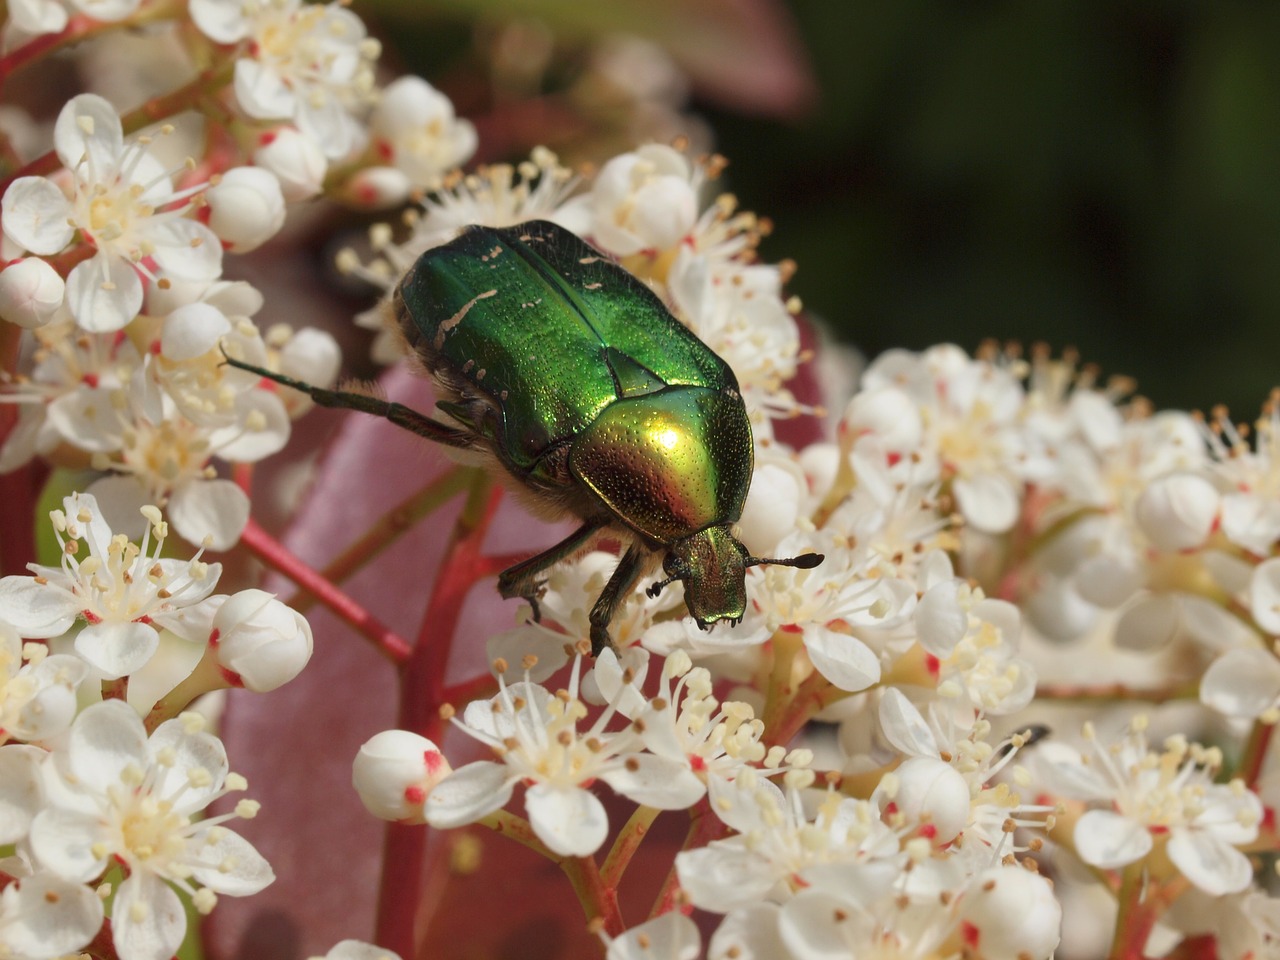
{"x":121,"y":198}
{"x":43,"y":917}
{"x":536,"y":739}
{"x":1168,"y":797}
{"x":126,"y":593}
{"x":37,"y":690}
{"x":117,"y":795}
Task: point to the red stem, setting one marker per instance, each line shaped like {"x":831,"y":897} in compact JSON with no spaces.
{"x":275,"y":555}
{"x":704,"y":826}
{"x":77,"y":28}
{"x":422,"y":694}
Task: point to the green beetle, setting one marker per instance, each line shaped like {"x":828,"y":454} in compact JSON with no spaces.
{"x":572,"y":375}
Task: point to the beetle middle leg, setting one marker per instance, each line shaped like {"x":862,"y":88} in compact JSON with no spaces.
{"x":522,"y":579}
{"x":615,"y":591}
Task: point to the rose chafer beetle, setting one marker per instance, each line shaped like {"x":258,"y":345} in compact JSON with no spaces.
{"x":560,"y":366}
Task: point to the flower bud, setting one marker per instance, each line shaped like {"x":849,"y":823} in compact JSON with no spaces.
{"x":295,"y":160}
{"x":260,"y":642}
{"x":246,"y":208}
{"x":30,"y":293}
{"x":1178,"y":511}
{"x":393,"y":773}
{"x":932,"y":793}
{"x":312,"y":356}
{"x":1011,"y":914}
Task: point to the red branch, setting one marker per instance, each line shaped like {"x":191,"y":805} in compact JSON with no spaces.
{"x":275,"y":555}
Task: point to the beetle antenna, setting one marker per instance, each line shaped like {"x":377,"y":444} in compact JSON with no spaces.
{"x":656,"y":588}
{"x":804,"y":562}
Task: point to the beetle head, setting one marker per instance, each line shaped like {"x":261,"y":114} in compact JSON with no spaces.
{"x":712,"y":564}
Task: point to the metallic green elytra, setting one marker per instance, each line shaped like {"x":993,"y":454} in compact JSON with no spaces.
{"x":571,"y":374}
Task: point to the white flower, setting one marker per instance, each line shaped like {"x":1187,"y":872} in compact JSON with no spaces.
{"x":394,"y":771}
{"x":1249,"y":476}
{"x":778,"y":850}
{"x":261,"y":644}
{"x":969,"y":410}
{"x":246,"y":208}
{"x":535,"y":736}
{"x":126,"y":593}
{"x":414,"y":129}
{"x":123,"y":202}
{"x":31,"y":293}
{"x":43,"y":917}
{"x":37,"y":691}
{"x":1170,"y":796}
{"x":311,"y":64}
{"x":116,"y":795}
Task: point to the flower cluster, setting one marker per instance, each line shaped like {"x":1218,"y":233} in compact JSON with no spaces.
{"x":880,"y":759}
{"x":89,"y":792}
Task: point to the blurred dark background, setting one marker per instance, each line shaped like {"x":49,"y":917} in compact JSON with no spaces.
{"x":1100,"y":175}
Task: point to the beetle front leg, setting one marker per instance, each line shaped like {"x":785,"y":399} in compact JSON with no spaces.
{"x":615,"y":591}
{"x":522,"y":579}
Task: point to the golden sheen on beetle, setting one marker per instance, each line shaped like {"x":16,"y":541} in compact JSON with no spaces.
{"x":571,"y":379}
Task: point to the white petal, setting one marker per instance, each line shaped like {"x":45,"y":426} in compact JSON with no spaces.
{"x":1264,"y":595}
{"x":106,"y":739}
{"x":819,"y":925}
{"x":1212,"y":865}
{"x":120,"y":498}
{"x":660,"y":782}
{"x":50,"y":712}
{"x":571,"y":821}
{"x":89,"y":127}
{"x":1177,"y":512}
{"x":104,"y":293}
{"x":748,"y":933}
{"x":31,"y":293}
{"x":261,"y":92}
{"x":38,"y":17}
{"x":1148,"y":624}
{"x":117,"y":649}
{"x":192,"y":331}
{"x":63,"y":840}
{"x":147,"y":919}
{"x":37,"y":611}
{"x":904,"y":727}
{"x":20,"y":793}
{"x":989,"y":501}
{"x":469,"y":793}
{"x":843,"y":659}
{"x":50,"y":917}
{"x":1110,"y":579}
{"x":186,"y":250}
{"x":672,"y":936}
{"x":35,"y":215}
{"x":941,"y":622}
{"x":226,"y":862}
{"x":220,"y":21}
{"x":723,"y":875}
{"x":261,"y":428}
{"x":1065,"y":773}
{"x":184,"y":752}
{"x":355,"y":950}
{"x":1106,"y":839}
{"x":1241,"y":683}
{"x":217,"y":509}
